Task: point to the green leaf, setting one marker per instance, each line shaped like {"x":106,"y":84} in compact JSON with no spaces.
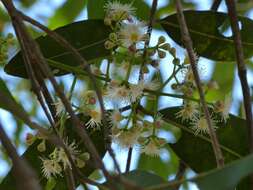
{"x":207,"y":40}
{"x":225,"y":81}
{"x":96,"y":8}
{"x":87,"y":36}
{"x":225,"y":178}
{"x":63,"y":15}
{"x":228,"y":177}
{"x":143,"y":179}
{"x":32,"y":155}
{"x":196,"y":150}
{"x":163,"y":168}
{"x":8,"y":103}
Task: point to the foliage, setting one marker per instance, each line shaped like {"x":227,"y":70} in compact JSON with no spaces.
{"x":112,"y":84}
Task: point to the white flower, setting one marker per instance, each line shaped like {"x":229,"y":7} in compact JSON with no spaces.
{"x":189,"y":111}
{"x":152,"y":85}
{"x":199,"y":125}
{"x":158,"y":120}
{"x":62,"y":157}
{"x":118,"y":93}
{"x":223,"y":107}
{"x":50,"y":168}
{"x":115,"y":11}
{"x":152,"y":148}
{"x":136,"y":90}
{"x":131,"y":34}
{"x":59,"y":107}
{"x":95,"y":120}
{"x":115,"y":117}
{"x":128,"y":138}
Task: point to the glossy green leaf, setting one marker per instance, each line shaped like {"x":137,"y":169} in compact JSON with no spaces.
{"x":196,"y":150}
{"x":32,"y":155}
{"x":228,"y":177}
{"x":142,"y":179}
{"x":63,"y":15}
{"x":96,"y":8}
{"x":87,"y":36}
{"x":225,"y":178}
{"x":207,"y":40}
{"x":163,"y":168}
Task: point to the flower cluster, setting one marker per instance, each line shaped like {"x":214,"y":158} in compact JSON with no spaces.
{"x":58,"y":161}
{"x":193,"y":112}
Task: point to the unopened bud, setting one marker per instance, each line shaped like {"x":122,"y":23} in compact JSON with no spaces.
{"x":42,"y":146}
{"x":161,"y":54}
{"x":161,"y":40}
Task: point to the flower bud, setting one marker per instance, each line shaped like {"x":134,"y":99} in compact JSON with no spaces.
{"x":42,"y":146}
{"x":161,"y":54}
{"x":30,"y":138}
{"x":80,"y":163}
{"x":109,"y":44}
{"x":161,"y":40}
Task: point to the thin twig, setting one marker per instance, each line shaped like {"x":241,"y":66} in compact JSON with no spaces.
{"x":28,"y":45}
{"x":215,"y":5}
{"x":25,"y":176}
{"x":129,"y":156}
{"x":86,"y":66}
{"x":188,"y":44}
{"x":70,"y":179}
{"x":242,"y":72}
{"x":149,"y":31}
{"x":180,"y":173}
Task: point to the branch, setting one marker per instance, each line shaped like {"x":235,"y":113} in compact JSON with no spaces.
{"x":188,"y":44}
{"x":86,"y":66}
{"x":180,"y":173}
{"x":150,"y":27}
{"x":32,"y":52}
{"x":25,"y":176}
{"x":129,"y":157}
{"x":242,"y":72}
{"x":215,"y":5}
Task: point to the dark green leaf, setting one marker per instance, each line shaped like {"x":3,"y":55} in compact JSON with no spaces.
{"x":32,"y":155}
{"x":228,"y":177}
{"x":207,"y":40}
{"x":64,"y":16}
{"x":87,"y":36}
{"x":225,"y":178}
{"x":196,"y":150}
{"x":143,"y":179}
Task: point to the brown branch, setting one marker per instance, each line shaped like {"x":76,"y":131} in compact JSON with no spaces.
{"x":129,"y":158}
{"x":180,"y":173}
{"x":188,"y":45}
{"x":215,"y":5}
{"x":86,"y":66}
{"x":149,"y":31}
{"x":27,"y":46}
{"x":24,"y":174}
{"x":242,"y":73}
{"x":70,"y":179}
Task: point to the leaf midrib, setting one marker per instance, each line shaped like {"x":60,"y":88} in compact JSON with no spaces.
{"x":205,"y":34}
{"x":203,"y":137}
{"x":65,"y":53}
